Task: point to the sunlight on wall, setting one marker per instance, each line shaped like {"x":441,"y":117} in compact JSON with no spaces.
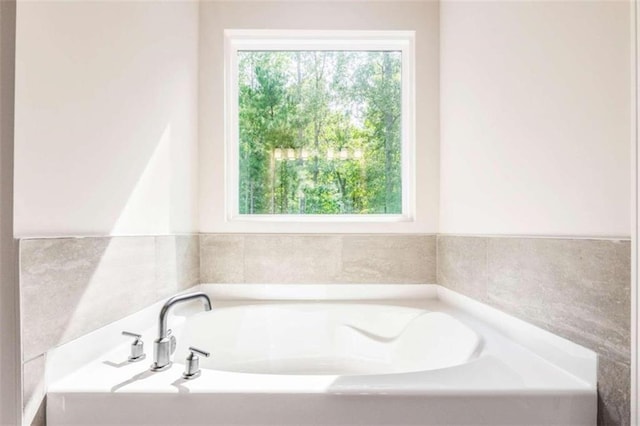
{"x":89,"y":127}
{"x":117,"y":283}
{"x":151,"y":192}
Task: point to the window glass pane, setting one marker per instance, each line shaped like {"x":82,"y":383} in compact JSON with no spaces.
{"x":319,"y":132}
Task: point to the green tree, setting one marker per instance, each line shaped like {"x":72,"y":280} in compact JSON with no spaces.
{"x":320,"y":132}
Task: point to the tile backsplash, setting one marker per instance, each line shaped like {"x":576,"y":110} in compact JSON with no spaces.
{"x":317,"y":259}
{"x":71,"y":286}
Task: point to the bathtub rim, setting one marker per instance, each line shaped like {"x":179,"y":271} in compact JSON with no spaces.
{"x":571,"y":357}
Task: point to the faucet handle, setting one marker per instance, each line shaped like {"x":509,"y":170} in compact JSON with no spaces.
{"x":130,"y":334}
{"x":192,"y":367}
{"x":199,"y":352}
{"x":137,"y":347}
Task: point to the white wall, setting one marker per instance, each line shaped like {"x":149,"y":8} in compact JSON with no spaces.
{"x":9,"y":348}
{"x":319,"y":15}
{"x":535,"y":118}
{"x":106,"y":118}
{"x":534,"y":113}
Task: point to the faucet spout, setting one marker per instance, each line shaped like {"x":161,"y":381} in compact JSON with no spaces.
{"x":164,"y":312}
{"x":165,"y":344}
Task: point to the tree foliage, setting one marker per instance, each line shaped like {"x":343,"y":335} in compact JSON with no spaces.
{"x":320,"y":132}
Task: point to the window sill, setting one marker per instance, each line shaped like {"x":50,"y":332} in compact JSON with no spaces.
{"x":325,"y":218}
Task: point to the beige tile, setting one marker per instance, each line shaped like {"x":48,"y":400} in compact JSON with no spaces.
{"x":221,"y":258}
{"x":33,"y":381}
{"x":576,"y":288}
{"x":317,"y":258}
{"x":302,"y":259}
{"x":33,"y":391}
{"x":177,"y":263}
{"x":408,"y":259}
{"x":53,"y":276}
{"x":72,"y":286}
{"x":462,"y":265}
{"x":614,"y":387}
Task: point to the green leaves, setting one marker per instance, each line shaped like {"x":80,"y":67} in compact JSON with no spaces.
{"x":320,"y":132}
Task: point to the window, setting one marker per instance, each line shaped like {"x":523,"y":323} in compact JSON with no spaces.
{"x":319,"y":125}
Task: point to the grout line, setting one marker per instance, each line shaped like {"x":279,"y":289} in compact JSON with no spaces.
{"x":485,"y":293}
{"x":437,"y":280}
{"x":399,"y":235}
{"x":244,"y":260}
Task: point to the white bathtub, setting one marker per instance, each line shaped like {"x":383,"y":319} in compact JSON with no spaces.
{"x":371,"y":355}
{"x":329,"y":339}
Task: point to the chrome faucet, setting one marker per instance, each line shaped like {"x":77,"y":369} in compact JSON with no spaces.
{"x":165,"y":344}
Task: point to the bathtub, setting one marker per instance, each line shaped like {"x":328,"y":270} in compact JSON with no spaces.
{"x":330,"y":355}
{"x":329,"y":339}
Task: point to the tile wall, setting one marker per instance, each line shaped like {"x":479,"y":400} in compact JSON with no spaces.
{"x":318,"y":259}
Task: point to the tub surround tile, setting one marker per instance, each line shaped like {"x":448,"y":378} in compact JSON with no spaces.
{"x":222,"y":258}
{"x":576,"y":288}
{"x":33,"y":380}
{"x":72,"y":286}
{"x":614,"y":399}
{"x":290,"y":259}
{"x":178,"y":263}
{"x":381,"y":259}
{"x":462,"y":265}
{"x":33,"y":391}
{"x":54,"y":274}
{"x":317,"y":259}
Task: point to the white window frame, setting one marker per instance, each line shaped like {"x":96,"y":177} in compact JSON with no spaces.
{"x":237,"y":40}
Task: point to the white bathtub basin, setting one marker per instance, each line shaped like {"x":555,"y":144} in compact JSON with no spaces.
{"x":329,"y":355}
{"x":329,"y":339}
